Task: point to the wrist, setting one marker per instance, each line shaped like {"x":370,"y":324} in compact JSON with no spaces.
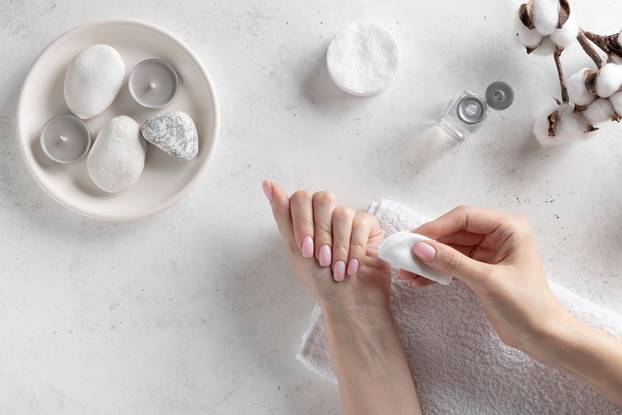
{"x":366,"y":316}
{"x":556,"y":334}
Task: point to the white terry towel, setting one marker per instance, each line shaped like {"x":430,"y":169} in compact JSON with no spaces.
{"x":458,"y":363}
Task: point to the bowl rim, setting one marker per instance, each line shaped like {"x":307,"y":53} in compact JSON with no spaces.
{"x":183,"y":190}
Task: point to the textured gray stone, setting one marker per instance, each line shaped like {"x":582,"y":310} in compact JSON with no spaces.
{"x":174,"y":133}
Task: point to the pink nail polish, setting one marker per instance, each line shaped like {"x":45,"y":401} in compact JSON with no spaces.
{"x":325,"y":256}
{"x":424,"y":251}
{"x":353,"y":267}
{"x":339,"y":271}
{"x":267,"y":189}
{"x":307,"y":247}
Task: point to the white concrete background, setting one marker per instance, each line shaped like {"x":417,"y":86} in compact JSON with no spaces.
{"x":195,"y":310}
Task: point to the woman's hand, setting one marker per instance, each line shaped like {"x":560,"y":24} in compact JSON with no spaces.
{"x":332,"y":249}
{"x":494,"y":254}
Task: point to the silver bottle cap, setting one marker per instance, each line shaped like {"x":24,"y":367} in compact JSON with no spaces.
{"x":472,"y":109}
{"x":499,"y":95}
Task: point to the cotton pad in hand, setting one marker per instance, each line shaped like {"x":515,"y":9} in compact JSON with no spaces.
{"x":363,"y":59}
{"x":397,"y":251}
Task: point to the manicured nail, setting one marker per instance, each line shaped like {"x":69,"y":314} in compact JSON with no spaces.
{"x":267,"y":189}
{"x":353,"y":267}
{"x":325,"y":256}
{"x":307,"y":247}
{"x":424,"y":251}
{"x":339,"y":270}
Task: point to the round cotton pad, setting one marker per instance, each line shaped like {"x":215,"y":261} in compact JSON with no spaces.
{"x":363,"y":59}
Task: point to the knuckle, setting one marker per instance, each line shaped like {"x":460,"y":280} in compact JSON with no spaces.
{"x":451,"y":263}
{"x":520,"y":225}
{"x":340,"y":251}
{"x":357,"y":247}
{"x":300,"y":197}
{"x":364,"y":219}
{"x":342,"y":214}
{"x":462,"y":208}
{"x":488,"y":275}
{"x":324,"y":198}
{"x":323,"y":231}
{"x":520,"y":219}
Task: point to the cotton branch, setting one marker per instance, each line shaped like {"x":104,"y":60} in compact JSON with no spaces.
{"x":560,"y":73}
{"x":608,"y":44}
{"x":589,"y":50}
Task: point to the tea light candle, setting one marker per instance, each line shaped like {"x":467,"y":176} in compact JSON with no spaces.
{"x":65,"y":138}
{"x":153,"y":83}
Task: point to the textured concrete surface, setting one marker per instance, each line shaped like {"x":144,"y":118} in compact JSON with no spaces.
{"x":195,"y":310}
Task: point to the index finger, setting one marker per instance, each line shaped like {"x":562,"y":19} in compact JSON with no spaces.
{"x":282,"y":216}
{"x":463,"y":218}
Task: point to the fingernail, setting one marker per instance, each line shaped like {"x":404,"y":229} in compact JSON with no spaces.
{"x":353,"y":267}
{"x":267,"y":189}
{"x":325,"y":256}
{"x":424,"y":251}
{"x":339,"y":270}
{"x":307,"y":247}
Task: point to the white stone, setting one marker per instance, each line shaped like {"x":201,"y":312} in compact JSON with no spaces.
{"x":117,"y":158}
{"x":363,"y":59}
{"x":173,"y":133}
{"x":93,"y":80}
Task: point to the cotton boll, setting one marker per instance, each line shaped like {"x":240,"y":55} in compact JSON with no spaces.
{"x":609,"y":80}
{"x":529,"y":38}
{"x":567,"y":35}
{"x":577,"y":88}
{"x":567,"y":126}
{"x":546,"y":48}
{"x":599,"y":112}
{"x":616,"y":102}
{"x":572,"y":125}
{"x":545,"y":14}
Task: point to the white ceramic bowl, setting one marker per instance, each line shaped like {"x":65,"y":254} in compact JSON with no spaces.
{"x":164,"y":180}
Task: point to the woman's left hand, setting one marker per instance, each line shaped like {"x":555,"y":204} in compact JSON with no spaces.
{"x":333,"y":250}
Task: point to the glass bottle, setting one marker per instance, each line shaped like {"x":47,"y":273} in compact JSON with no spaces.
{"x":467,"y":113}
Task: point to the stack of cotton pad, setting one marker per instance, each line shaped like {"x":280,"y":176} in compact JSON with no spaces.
{"x":363,"y":59}
{"x":397,"y":251}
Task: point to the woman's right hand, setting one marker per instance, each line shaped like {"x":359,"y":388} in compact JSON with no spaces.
{"x":494,"y":254}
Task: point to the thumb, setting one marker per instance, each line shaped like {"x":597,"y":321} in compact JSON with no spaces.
{"x":447,"y":260}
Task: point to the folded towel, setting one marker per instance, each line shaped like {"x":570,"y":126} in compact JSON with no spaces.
{"x":459,"y":365}
{"x":397,"y":251}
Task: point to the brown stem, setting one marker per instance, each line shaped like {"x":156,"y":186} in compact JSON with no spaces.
{"x":608,"y":44}
{"x":560,"y":73}
{"x":587,"y":48}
